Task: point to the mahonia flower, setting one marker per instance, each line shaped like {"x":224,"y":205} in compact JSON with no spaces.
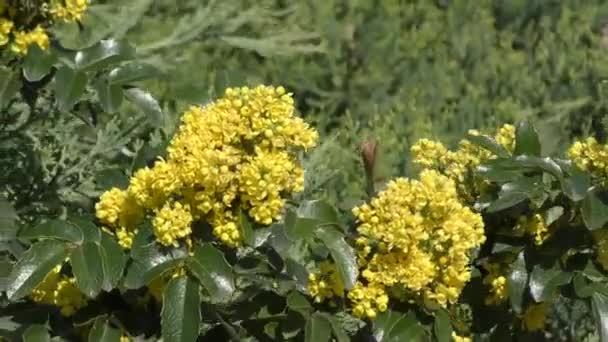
{"x":125,"y":338}
{"x":237,"y":154}
{"x":424,"y":236}
{"x":24,"y":39}
{"x":600,"y":236}
{"x":5,"y":29}
{"x":457,"y":164}
{"x":368,"y":300}
{"x":59,"y":290}
{"x":458,"y":338}
{"x":326,"y":283}
{"x":534,"y":226}
{"x":68,"y":10}
{"x":535,"y":316}
{"x":591,"y":156}
{"x":497,"y":284}
{"x":120,"y":214}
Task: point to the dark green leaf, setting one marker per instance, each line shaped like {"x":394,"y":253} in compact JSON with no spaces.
{"x":9,"y":85}
{"x":151,"y":262}
{"x":253,"y":237}
{"x":298,"y":273}
{"x":89,"y":230}
{"x":545,"y":282}
{"x":442,"y":326}
{"x":180,"y":315}
{"x":33,"y":267}
{"x":488,"y":144}
{"x":317,"y":329}
{"x":5,"y":270}
{"x":342,"y":254}
{"x":553,"y":214}
{"x":299,"y":228}
{"x":595,"y":208}
{"x":113,"y":261}
{"x":37,"y":63}
{"x":110,"y":95}
{"x":576,"y":185}
{"x":518,"y":282}
{"x":297,"y":302}
{"x":406,"y":329}
{"x":8,"y":216}
{"x":87,"y":268}
{"x":599,"y":302}
{"x":103,"y":53}
{"x":321,"y":211}
{"x":337,"y":328}
{"x":499,"y":170}
{"x":7,"y":324}
{"x":526,"y":140}
{"x":506,"y":201}
{"x":545,"y":164}
{"x":147,"y":103}
{"x":584,"y":287}
{"x":69,"y":86}
{"x":213,"y":271}
{"x":54,"y":229}
{"x":103,"y":332}
{"x":131,"y":72}
{"x":36,"y":333}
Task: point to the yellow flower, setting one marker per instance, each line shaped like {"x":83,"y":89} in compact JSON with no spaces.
{"x":172,"y":222}
{"x":368,"y":300}
{"x":424,"y":236}
{"x":23,"y":40}
{"x":5,"y":29}
{"x":535,"y":316}
{"x":497,"y":283}
{"x":535,"y":227}
{"x":60,"y":290}
{"x":600,"y":236}
{"x":591,"y":156}
{"x":458,"y":338}
{"x":68,"y":10}
{"x":326,"y":283}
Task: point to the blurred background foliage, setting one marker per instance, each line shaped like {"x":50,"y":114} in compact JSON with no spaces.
{"x":394,"y":69}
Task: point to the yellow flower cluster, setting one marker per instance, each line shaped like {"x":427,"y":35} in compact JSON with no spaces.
{"x":25,"y":34}
{"x":535,"y":316}
{"x":591,"y":156}
{"x":326,"y":283}
{"x":368,"y":300}
{"x":60,"y":290}
{"x":237,"y":153}
{"x":457,"y":164}
{"x":600,"y":236}
{"x":534,"y":226}
{"x":497,"y":284}
{"x":423,"y":236}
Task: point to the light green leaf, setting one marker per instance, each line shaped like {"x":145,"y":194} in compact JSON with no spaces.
{"x":599,"y":302}
{"x":103,"y":332}
{"x":213,"y":271}
{"x":102,"y":54}
{"x":69,"y":86}
{"x":395,"y":326}
{"x":90,"y":231}
{"x":526,"y":140}
{"x":545,"y":282}
{"x":37,"y":333}
{"x":317,"y":329}
{"x":506,"y":201}
{"x":113,"y":261}
{"x":110,"y":95}
{"x":298,"y":302}
{"x":180,"y":316}
{"x":545,"y":164}
{"x":442,"y":327}
{"x":131,"y":72}
{"x":37,"y":63}
{"x":8,"y":216}
{"x":595,"y":208}
{"x":33,"y":267}
{"x":147,"y":103}
{"x":53,"y":229}
{"x":342,"y":254}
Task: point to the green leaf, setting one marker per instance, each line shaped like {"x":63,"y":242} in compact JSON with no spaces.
{"x":321,"y":211}
{"x":526,"y":140}
{"x":576,"y":185}
{"x":252,"y":237}
{"x":33,"y":267}
{"x":553,"y":214}
{"x":110,"y":95}
{"x":342,"y":254}
{"x":599,"y":302}
{"x":131,"y":72}
{"x":299,"y":228}
{"x":37,"y":333}
{"x":103,"y":332}
{"x":8,"y":216}
{"x":298,"y":302}
{"x":53,"y":229}
{"x":213,"y":271}
{"x":113,"y":261}
{"x":181,"y":314}
{"x":151,"y":262}
{"x":317,"y":329}
{"x":395,"y":326}
{"x":90,"y":231}
{"x":545,"y":164}
{"x":10,"y":83}
{"x":545,"y":282}
{"x":37,"y":63}
{"x":337,"y":328}
{"x":102,"y":54}
{"x":518,"y":282}
{"x":488,"y":144}
{"x":69,"y":86}
{"x":87,"y":268}
{"x":506,"y":201}
{"x":147,"y":103}
{"x":595,"y":208}
{"x":442,"y":326}
{"x":499,"y":170}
